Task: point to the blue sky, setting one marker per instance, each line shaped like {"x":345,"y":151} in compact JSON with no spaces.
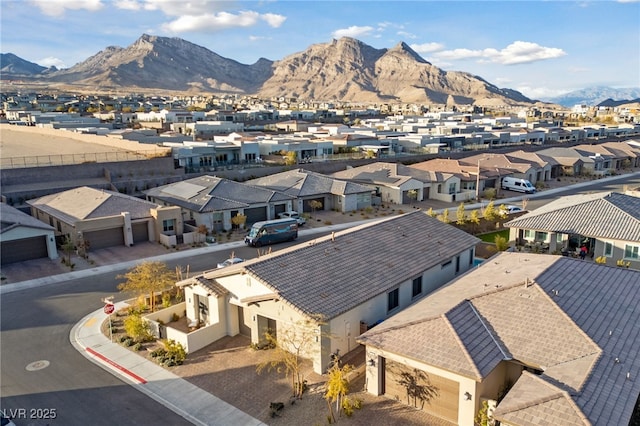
{"x":541,"y":48}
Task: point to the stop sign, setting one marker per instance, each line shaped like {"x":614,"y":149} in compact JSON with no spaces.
{"x":109,"y":308}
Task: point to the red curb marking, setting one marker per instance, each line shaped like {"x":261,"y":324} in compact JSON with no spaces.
{"x":119,"y":367}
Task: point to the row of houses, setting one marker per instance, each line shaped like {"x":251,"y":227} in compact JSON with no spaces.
{"x":173,"y":213}
{"x":540,"y":339}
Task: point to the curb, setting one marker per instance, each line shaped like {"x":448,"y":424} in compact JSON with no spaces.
{"x":128,"y":377}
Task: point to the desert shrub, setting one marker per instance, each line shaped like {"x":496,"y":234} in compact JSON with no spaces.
{"x":138,"y":328}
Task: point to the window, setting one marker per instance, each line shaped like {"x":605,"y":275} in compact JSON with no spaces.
{"x":168,"y":225}
{"x":608,"y":249}
{"x":631,"y":252}
{"x":393,"y":299}
{"x":471,"y":256}
{"x":417,"y":286}
{"x":457,"y":264}
{"x":541,"y":236}
{"x":528,"y":234}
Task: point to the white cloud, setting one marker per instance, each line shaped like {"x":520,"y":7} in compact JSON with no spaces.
{"x":427,"y":47}
{"x":406,"y":35}
{"x":518,"y":52}
{"x":128,"y":5}
{"x":181,"y":8}
{"x":256,"y":38}
{"x":540,"y":92}
{"x":51,"y":61}
{"x":58,"y":7}
{"x":353,"y":31}
{"x":220,"y":21}
{"x":273,"y":20}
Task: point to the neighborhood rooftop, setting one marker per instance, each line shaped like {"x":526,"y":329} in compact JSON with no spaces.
{"x":576,"y":322}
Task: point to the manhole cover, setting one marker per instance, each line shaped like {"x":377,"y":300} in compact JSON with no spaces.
{"x":37,"y":365}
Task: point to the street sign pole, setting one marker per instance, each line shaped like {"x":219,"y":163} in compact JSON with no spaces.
{"x":108,"y":309}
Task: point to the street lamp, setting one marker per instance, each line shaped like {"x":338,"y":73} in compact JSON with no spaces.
{"x":478,"y":182}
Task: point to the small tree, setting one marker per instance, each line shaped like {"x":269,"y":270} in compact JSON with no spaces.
{"x":138,"y":328}
{"x":68,"y":247}
{"x":315,"y":205}
{"x":490,"y":193}
{"x":291,"y":346}
{"x":431,"y":213}
{"x":291,"y":158}
{"x":203,"y":231}
{"x":337,"y":387}
{"x":490,"y":212}
{"x":147,"y":278}
{"x":461,"y":217}
{"x":444,"y":217}
{"x":239,"y":220}
{"x":501,"y":243}
{"x":412,"y":194}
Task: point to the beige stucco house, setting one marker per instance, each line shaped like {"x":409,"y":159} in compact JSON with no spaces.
{"x":334,"y":287}
{"x":95,"y":218}
{"x":541,"y":339}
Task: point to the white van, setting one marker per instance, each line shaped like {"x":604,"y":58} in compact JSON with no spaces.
{"x":516,"y":184}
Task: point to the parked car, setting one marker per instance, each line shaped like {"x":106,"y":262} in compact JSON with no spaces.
{"x":507,"y":210}
{"x":293,"y":215}
{"x":230,"y":261}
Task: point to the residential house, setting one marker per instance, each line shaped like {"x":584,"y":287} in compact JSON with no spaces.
{"x":506,"y":165}
{"x":607,"y":223}
{"x":452,"y":180}
{"x":95,"y":218}
{"x":306,"y":186}
{"x":393,"y":182}
{"x":572,"y":161}
{"x":212,"y":201}
{"x":23,"y":237}
{"x":334,"y":287}
{"x":541,"y":339}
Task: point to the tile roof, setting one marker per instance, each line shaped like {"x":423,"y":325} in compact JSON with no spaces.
{"x":304,"y":183}
{"x":602,"y":215}
{"x":332,"y":275}
{"x":572,"y":321}
{"x":10,"y":218}
{"x":216,"y":289}
{"x":84,"y":203}
{"x":383,"y":173}
{"x":534,"y":402}
{"x":211,"y":193}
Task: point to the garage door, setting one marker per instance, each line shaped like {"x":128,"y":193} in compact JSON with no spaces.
{"x":105,"y":238}
{"x":280,"y":208}
{"x":140,"y":232}
{"x":23,"y":249}
{"x":444,"y":405}
{"x":255,"y":214}
{"x":307,"y":208}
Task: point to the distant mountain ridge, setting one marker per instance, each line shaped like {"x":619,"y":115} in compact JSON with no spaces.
{"x":344,"y":69}
{"x":596,"y":95}
{"x":12,"y":65}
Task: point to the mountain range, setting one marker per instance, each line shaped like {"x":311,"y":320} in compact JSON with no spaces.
{"x":345,"y":69}
{"x":598,"y":96}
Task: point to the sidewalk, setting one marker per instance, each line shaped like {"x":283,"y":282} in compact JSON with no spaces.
{"x":175,"y":393}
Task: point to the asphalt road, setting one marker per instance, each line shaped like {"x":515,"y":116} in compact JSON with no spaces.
{"x":35,"y":326}
{"x":70,"y":390}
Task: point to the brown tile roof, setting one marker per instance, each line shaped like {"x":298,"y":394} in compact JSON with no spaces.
{"x":577,"y":321}
{"x":535,"y":402}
